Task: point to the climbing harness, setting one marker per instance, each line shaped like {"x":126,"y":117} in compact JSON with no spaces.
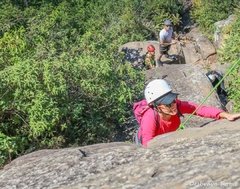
{"x":182,"y":125}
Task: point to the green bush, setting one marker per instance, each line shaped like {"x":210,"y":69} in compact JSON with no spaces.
{"x":11,"y":147}
{"x":206,"y":13}
{"x":230,"y":53}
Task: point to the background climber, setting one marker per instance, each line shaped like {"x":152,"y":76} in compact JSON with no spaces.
{"x":150,"y":57}
{"x":165,"y":40}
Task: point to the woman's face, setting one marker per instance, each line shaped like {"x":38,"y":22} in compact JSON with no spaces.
{"x":170,"y":109}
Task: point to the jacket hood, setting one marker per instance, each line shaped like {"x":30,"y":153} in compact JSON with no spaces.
{"x":139,"y":108}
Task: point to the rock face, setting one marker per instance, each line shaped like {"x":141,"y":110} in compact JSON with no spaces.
{"x":219,"y":26}
{"x":205,"y":47}
{"x":205,"y":157}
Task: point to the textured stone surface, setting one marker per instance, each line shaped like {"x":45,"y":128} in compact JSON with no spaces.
{"x":219,"y":26}
{"x":53,"y":168}
{"x":205,"y":157}
{"x":191,"y":54}
{"x":206,"y":48}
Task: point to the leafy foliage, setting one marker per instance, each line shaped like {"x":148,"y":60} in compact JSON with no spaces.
{"x":62,"y":80}
{"x":206,"y":13}
{"x":230,"y":53}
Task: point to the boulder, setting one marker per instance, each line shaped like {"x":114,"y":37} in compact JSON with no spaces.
{"x":206,"y":48}
{"x":191,"y":54}
{"x":219,"y":26}
{"x":192,"y":158}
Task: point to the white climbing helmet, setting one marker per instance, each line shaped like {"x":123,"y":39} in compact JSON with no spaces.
{"x":159,"y":90}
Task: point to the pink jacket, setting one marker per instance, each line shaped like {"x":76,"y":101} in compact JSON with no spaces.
{"x":152,"y":125}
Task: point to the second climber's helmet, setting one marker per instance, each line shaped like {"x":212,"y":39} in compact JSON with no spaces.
{"x":151,"y":48}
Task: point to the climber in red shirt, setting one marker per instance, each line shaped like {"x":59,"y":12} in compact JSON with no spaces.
{"x":160,"y":111}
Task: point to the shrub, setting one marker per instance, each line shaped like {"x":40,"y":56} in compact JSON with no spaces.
{"x":206,"y":13}
{"x":230,"y":53}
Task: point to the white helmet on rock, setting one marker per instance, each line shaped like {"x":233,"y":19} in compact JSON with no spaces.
{"x":159,"y":91}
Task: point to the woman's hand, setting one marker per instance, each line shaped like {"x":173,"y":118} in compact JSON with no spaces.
{"x":228,"y":116}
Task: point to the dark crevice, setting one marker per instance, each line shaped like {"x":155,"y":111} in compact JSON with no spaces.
{"x":215,"y":77}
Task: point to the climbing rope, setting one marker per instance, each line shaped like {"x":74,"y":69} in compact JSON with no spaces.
{"x":182,"y":126}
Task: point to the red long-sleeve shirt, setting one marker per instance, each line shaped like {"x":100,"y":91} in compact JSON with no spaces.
{"x":151,"y":124}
